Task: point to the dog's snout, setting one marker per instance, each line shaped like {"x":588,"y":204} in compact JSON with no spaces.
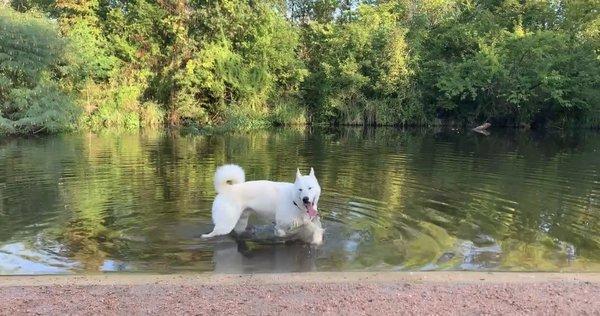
{"x":305,"y":199}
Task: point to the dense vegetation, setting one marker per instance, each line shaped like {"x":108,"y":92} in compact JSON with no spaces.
{"x":69,"y":64}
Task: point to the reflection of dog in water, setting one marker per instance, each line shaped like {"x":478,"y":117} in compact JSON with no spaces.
{"x":292,"y":206}
{"x":244,"y":256}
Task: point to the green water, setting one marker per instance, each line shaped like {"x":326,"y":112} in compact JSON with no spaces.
{"x":392,"y":200}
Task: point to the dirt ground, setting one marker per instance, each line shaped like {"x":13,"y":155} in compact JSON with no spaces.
{"x":361,"y":293}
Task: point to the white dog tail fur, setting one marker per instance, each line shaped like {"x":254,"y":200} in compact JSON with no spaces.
{"x":227,"y":175}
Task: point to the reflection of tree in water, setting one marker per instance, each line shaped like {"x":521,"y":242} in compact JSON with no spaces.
{"x":493,"y":195}
{"x":84,"y":240}
{"x":412,"y":199}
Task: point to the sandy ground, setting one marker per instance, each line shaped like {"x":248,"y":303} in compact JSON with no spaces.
{"x":371,"y":293}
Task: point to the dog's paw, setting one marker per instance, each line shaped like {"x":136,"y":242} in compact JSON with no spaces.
{"x":317,"y":237}
{"x":279,"y":232}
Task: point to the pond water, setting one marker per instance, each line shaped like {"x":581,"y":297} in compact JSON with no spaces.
{"x":392,"y":200}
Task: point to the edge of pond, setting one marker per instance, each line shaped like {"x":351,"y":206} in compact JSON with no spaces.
{"x":295,"y":278}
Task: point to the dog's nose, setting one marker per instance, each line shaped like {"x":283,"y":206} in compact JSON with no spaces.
{"x":305,"y":199}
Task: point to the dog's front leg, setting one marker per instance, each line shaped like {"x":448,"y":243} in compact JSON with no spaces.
{"x":317,"y":237}
{"x":282,"y":224}
{"x":279,"y":231}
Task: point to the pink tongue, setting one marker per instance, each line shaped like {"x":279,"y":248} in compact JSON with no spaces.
{"x":312,"y":212}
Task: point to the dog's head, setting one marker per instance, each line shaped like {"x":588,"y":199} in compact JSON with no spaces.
{"x":307,"y":192}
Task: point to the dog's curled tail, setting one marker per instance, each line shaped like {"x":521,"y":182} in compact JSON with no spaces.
{"x":227,"y":175}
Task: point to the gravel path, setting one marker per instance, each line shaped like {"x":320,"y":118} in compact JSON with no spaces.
{"x":319,"y":293}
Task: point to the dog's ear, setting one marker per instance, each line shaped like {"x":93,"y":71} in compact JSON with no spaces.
{"x":312,"y":172}
{"x":298,"y":174}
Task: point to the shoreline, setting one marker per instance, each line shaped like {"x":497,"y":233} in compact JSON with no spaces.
{"x":215,"y":131}
{"x":207,"y":278}
{"x":303,"y":293}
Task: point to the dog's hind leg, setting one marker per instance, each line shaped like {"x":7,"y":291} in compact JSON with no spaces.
{"x":225,"y":216}
{"x":242,"y":223}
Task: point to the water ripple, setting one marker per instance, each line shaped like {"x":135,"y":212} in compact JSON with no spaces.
{"x":399,"y":200}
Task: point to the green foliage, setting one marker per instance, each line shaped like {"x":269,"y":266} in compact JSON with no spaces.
{"x":240,"y":64}
{"x":91,"y":50}
{"x":247,"y":57}
{"x":33,"y":97}
{"x":521,"y":73}
{"x":115,"y":107}
{"x":361,"y":69}
{"x":287,"y":112}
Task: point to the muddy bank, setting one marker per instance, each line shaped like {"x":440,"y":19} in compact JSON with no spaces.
{"x":354,"y":293}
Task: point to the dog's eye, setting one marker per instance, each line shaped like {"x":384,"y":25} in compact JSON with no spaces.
{"x":310,"y":188}
{"x":300,"y":190}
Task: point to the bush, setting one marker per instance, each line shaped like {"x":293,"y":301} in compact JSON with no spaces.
{"x":151,"y":114}
{"x":250,"y":64}
{"x":33,"y":93}
{"x":360,"y":69}
{"x":286,"y":112}
{"x":244,"y":118}
{"x":523,"y":77}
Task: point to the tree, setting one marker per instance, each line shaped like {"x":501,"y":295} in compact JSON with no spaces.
{"x":240,"y":64}
{"x":360,"y":69}
{"x":34,"y":95}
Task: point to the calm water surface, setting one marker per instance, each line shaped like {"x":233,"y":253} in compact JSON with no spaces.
{"x":392,"y":200}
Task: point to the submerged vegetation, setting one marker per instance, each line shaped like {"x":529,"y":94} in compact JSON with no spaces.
{"x":72,"y":64}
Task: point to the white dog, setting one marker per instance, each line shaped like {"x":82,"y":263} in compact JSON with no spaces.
{"x":290,"y":205}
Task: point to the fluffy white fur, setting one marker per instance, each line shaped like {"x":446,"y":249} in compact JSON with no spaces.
{"x":287,"y":204}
